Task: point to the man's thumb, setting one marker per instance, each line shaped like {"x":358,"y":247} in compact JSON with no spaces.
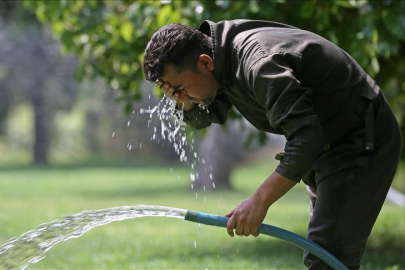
{"x":230,"y":213}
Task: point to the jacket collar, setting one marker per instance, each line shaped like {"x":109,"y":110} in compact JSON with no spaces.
{"x":219,"y":33}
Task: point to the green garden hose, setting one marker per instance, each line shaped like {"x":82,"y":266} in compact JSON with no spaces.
{"x":288,"y":236}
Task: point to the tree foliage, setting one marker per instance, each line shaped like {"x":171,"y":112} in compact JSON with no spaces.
{"x":109,"y":37}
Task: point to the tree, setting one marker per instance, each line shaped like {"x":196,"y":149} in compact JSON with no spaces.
{"x":29,"y":59}
{"x":109,"y":37}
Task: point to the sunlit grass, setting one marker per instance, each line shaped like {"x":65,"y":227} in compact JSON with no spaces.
{"x":29,"y":197}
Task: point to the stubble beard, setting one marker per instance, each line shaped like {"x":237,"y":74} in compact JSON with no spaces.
{"x":213,"y":89}
{"x":207,"y":101}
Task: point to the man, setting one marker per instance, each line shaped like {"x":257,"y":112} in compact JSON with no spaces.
{"x":342,"y":139}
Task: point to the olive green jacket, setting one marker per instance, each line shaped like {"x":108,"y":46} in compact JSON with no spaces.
{"x":285,"y":81}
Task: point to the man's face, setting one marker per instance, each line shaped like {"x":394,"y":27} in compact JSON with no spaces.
{"x":198,"y":87}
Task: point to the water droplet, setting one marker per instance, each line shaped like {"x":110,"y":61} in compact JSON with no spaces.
{"x":130,"y":147}
{"x":113,"y":134}
{"x":192,"y":177}
{"x":195,"y":244}
{"x":210,"y":176}
{"x":183,"y":156}
{"x":171,"y":170}
{"x":213,"y":184}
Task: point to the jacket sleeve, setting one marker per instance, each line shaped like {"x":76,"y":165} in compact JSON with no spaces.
{"x":201,"y":117}
{"x":288,"y":106}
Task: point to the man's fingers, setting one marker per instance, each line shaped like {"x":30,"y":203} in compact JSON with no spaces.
{"x":246,"y":231}
{"x":230,"y":225}
{"x":240,"y":229}
{"x":255,"y":232}
{"x":167,"y":90}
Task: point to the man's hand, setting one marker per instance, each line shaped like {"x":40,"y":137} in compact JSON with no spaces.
{"x":247,"y":217}
{"x":250,"y":213}
{"x":169,"y":92}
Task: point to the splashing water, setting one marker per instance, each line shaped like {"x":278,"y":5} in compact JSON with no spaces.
{"x":31,"y":246}
{"x":173,"y":131}
{"x":164,"y":111}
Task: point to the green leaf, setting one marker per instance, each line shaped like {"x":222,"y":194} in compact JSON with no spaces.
{"x":347,"y":3}
{"x":126,"y":31}
{"x":157,"y":93}
{"x":41,"y":13}
{"x":307,"y":9}
{"x":164,"y":15}
{"x":124,"y":68}
{"x":58,"y":27}
{"x":375,"y":65}
{"x":395,"y":22}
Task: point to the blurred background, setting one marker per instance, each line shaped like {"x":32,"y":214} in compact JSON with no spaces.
{"x":72,"y":135}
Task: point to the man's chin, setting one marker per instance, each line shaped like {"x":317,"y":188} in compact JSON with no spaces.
{"x":206,"y":102}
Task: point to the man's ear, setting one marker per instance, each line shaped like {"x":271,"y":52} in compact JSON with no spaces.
{"x":206,"y":62}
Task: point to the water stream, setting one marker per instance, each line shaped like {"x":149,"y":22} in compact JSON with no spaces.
{"x":172,"y":126}
{"x":30,"y":247}
{"x":173,"y":129}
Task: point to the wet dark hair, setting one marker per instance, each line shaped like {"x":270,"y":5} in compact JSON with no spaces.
{"x":174,"y":44}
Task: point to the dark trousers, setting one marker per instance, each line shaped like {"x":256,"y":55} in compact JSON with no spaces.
{"x":345,"y":205}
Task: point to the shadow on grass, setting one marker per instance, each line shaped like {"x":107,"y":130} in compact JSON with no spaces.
{"x":380,"y":259}
{"x":279,"y":252}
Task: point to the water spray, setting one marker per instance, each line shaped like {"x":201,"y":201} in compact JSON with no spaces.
{"x":31,"y":246}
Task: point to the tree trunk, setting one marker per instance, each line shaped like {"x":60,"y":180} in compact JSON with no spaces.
{"x":221,"y":149}
{"x":5,"y":101}
{"x":92,"y":130}
{"x":41,"y":140}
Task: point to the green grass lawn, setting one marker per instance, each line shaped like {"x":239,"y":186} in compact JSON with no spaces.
{"x":31,"y":196}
